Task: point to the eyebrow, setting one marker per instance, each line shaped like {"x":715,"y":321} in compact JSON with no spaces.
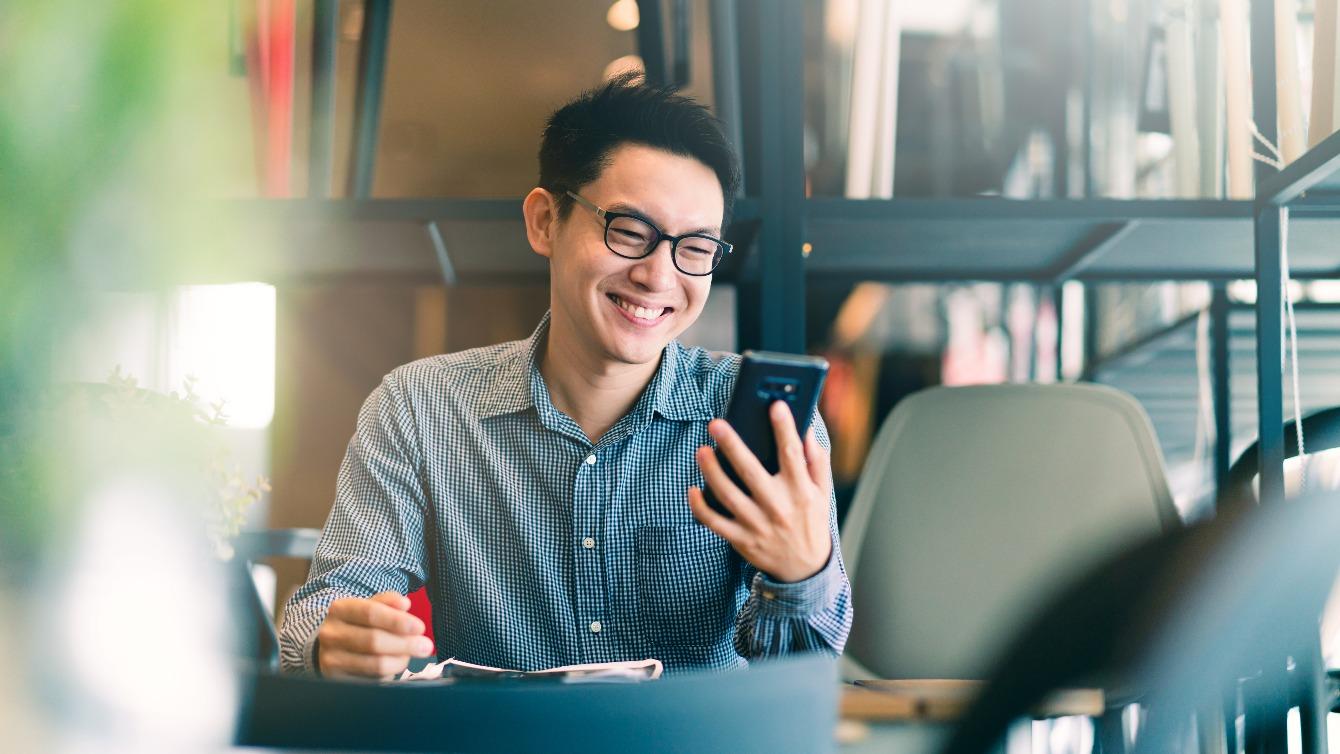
{"x":629,"y":209}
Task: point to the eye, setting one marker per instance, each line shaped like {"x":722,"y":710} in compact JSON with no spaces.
{"x":698,"y":247}
{"x":628,"y":235}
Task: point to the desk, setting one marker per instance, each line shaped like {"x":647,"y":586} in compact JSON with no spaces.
{"x":917,"y":715}
{"x":885,"y":716}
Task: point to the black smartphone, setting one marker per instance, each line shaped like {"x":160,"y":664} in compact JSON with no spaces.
{"x":765,"y":378}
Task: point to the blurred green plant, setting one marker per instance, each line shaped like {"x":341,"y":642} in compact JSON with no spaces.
{"x":117,"y":132}
{"x":118,"y":429}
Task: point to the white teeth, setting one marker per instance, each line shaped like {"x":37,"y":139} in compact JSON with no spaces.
{"x":639,"y":311}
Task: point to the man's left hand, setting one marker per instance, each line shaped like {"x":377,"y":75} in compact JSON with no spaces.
{"x":781,"y":522}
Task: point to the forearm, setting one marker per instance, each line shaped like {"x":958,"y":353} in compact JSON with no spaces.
{"x":813,"y":615}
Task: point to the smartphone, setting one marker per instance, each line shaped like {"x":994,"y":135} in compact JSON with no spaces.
{"x":765,"y":378}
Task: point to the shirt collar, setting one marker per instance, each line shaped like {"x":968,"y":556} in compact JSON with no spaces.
{"x":674,"y":392}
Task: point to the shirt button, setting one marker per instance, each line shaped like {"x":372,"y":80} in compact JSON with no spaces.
{"x":588,"y":543}
{"x":595,"y":626}
{"x":591,"y":460}
{"x":769,"y":595}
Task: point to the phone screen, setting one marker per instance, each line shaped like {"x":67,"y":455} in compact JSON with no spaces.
{"x":764,"y":379}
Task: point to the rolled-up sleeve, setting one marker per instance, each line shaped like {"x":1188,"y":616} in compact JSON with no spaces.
{"x":813,"y":615}
{"x":373,"y":540}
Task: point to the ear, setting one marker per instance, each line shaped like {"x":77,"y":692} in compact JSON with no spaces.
{"x":540,"y":209}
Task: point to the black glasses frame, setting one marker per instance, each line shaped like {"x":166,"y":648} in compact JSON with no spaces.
{"x":610,"y":217}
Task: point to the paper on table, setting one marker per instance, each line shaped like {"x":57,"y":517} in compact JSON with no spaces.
{"x":601,"y":672}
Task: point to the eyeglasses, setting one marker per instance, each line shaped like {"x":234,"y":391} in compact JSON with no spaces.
{"x":632,"y":237}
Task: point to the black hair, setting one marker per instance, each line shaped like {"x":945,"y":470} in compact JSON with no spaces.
{"x":580,"y":136}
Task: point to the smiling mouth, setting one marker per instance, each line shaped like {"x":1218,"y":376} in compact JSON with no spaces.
{"x":638,"y":312}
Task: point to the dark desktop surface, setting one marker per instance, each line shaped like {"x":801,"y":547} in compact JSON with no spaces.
{"x":781,"y":706}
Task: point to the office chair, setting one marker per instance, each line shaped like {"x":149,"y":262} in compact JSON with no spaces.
{"x":1310,"y":689}
{"x":1175,"y":616}
{"x":780,"y":706}
{"x":974,"y":502}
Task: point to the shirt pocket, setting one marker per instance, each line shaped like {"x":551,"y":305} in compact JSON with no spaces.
{"x":687,"y":579}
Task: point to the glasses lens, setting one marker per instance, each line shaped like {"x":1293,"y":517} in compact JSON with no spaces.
{"x":698,"y":255}
{"x":630,"y":237}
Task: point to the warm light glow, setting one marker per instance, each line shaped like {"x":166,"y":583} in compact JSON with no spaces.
{"x":623,"y":15}
{"x":1324,"y":291}
{"x":1244,"y":291}
{"x":623,"y":65}
{"x":224,"y":337}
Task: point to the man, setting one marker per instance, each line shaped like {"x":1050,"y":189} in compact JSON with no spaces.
{"x":546,"y":490}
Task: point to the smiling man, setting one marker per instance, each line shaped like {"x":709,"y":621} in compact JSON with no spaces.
{"x":548,"y":491}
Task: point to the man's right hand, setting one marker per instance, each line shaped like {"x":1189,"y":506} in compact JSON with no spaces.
{"x":371,"y":638}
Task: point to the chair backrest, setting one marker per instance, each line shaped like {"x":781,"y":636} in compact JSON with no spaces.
{"x":976,"y":502}
{"x":259,"y":637}
{"x":782,"y":706}
{"x":1321,"y":430}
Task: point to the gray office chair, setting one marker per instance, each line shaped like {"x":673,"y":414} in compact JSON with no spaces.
{"x":975,"y":504}
{"x":259,"y":637}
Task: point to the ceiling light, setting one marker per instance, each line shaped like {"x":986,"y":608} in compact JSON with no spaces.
{"x":623,"y":15}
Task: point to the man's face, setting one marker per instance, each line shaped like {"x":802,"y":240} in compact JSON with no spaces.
{"x":627,"y":310}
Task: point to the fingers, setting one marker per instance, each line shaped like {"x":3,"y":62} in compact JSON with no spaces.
{"x":337,"y":662}
{"x":373,"y":641}
{"x":817,"y":461}
{"x":377,"y":613}
{"x":391,"y":598}
{"x":790,"y":451}
{"x":741,"y":458}
{"x":727,"y":529}
{"x":371,"y":637}
{"x":731,"y":496}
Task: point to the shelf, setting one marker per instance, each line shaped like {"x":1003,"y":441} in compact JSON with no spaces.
{"x":1309,"y":184}
{"x":1046,"y":241}
{"x":1160,"y":371}
{"x":901,"y":240}
{"x":475,"y":241}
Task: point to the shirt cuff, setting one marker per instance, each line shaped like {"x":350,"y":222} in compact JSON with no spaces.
{"x":800,"y":598}
{"x":311,"y":656}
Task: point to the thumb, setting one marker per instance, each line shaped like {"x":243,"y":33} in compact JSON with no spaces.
{"x":392,"y":599}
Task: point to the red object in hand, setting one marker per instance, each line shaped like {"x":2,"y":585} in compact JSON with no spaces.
{"x":421,"y":608}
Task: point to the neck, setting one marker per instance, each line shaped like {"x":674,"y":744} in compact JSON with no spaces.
{"x":594,"y":392}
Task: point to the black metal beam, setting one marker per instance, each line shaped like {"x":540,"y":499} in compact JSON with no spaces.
{"x":1270,"y":238}
{"x":1137,"y":346}
{"x":651,"y":41}
{"x":1316,"y":165}
{"x":780,"y":76}
{"x":1098,"y":242}
{"x":1090,"y":331}
{"x":683,"y":61}
{"x":1264,"y":111}
{"x":321,"y":139}
{"x":440,"y":251}
{"x":726,"y":69}
{"x":1220,"y":380}
{"x":368,"y":99}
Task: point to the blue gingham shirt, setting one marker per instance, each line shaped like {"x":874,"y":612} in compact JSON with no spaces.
{"x":541,"y":549}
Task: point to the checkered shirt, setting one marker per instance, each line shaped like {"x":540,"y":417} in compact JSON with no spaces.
{"x":540,"y":548}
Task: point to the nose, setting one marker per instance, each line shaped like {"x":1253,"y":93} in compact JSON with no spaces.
{"x":656,"y":271}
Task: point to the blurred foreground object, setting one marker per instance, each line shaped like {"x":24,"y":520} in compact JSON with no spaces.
{"x":117,"y":136}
